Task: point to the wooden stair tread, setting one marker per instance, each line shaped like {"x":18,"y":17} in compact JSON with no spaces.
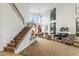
{"x":9,"y":49}
{"x":13,"y":43}
{"x":18,"y":37}
{"x":12,"y":48}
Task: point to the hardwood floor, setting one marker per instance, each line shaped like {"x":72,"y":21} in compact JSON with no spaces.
{"x":44,"y":47}
{"x":4,"y":53}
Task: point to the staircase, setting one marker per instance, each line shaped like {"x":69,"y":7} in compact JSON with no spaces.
{"x":13,"y":44}
{"x":17,"y":40}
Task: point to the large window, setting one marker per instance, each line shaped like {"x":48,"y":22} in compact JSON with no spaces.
{"x":53,"y":21}
{"x":53,"y":14}
{"x":36,"y":19}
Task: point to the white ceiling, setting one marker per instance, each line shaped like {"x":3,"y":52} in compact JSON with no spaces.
{"x":41,"y":7}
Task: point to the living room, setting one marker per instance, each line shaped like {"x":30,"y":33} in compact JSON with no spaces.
{"x":58,"y":21}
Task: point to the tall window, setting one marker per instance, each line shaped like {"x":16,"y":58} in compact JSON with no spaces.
{"x":36,"y":19}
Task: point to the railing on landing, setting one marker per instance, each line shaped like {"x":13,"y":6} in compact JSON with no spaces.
{"x":17,"y":11}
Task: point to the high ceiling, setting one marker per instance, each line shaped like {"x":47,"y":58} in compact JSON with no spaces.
{"x":41,"y":7}
{"x":38,"y":7}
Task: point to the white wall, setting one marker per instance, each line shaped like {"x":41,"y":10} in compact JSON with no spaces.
{"x":10,"y":24}
{"x":1,"y":34}
{"x":24,"y":10}
{"x":65,"y":16}
{"x":46,"y":21}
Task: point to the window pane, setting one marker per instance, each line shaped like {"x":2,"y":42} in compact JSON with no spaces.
{"x":36,"y":19}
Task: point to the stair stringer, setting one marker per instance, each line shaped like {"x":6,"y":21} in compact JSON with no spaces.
{"x":25,"y":43}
